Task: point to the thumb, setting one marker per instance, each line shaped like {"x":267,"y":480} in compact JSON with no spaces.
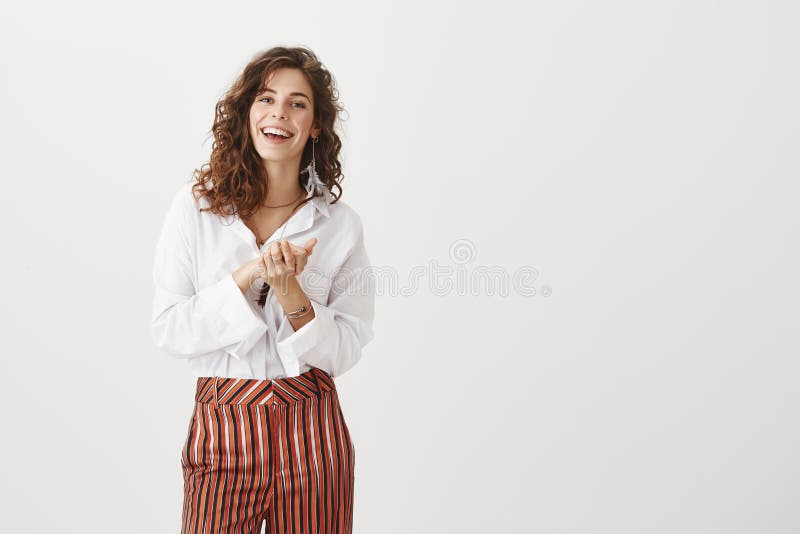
{"x":309,"y":246}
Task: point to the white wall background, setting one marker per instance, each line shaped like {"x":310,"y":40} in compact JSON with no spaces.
{"x":642,"y":157}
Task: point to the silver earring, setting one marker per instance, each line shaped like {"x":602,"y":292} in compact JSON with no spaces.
{"x":314,"y":185}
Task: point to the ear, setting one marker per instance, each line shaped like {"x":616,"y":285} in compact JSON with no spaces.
{"x":315,"y":130}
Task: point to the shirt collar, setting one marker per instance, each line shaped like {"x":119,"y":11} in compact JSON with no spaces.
{"x":300,"y":221}
{"x":318,"y":202}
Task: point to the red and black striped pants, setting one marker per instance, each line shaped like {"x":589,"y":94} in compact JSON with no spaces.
{"x":268,"y":450}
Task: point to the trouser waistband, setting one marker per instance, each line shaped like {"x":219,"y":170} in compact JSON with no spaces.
{"x":314,"y":383}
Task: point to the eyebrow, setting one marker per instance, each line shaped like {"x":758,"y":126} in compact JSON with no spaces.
{"x":296,"y":93}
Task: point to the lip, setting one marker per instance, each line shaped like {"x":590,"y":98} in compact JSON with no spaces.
{"x":291,"y":133}
{"x":276,"y":141}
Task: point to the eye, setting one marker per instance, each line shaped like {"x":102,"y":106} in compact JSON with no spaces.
{"x":302,"y":106}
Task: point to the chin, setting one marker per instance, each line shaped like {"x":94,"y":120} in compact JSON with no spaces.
{"x":272,"y":156}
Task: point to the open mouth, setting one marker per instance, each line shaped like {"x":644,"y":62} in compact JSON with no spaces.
{"x":276,"y":135}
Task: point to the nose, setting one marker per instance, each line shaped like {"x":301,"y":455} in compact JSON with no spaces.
{"x":278,"y":111}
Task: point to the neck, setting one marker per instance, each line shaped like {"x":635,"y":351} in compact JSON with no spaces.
{"x":283,"y":182}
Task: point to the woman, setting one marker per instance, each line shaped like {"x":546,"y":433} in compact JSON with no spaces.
{"x":261,"y":284}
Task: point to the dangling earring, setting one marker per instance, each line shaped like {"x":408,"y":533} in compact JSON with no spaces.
{"x":314,"y":185}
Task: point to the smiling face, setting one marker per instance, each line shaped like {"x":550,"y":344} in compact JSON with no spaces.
{"x":284,"y":107}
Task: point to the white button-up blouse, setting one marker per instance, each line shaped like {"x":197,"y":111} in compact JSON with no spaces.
{"x":200,"y":314}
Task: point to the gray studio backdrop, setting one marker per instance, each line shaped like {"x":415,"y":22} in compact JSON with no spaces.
{"x":585,"y":213}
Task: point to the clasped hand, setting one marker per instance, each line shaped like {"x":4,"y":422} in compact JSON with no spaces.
{"x":283,"y":260}
{"x":280,"y":262}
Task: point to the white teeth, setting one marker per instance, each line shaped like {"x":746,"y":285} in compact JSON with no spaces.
{"x":276,"y":131}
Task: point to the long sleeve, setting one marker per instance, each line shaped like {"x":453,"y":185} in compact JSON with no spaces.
{"x":333,"y":340}
{"x":187,"y":323}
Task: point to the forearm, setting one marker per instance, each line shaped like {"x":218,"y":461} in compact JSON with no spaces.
{"x":291,"y":296}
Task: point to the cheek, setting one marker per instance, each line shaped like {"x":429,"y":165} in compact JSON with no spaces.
{"x":253,"y":119}
{"x":306,"y":123}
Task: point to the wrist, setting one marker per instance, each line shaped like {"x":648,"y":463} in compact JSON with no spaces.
{"x":300,"y":311}
{"x":290,"y":294}
{"x":240,"y":281}
{"x":286,"y":287}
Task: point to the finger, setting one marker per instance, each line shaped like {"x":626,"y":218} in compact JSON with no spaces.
{"x":296,"y":249}
{"x":301,"y":264}
{"x":288,"y":255}
{"x":309,"y":246}
{"x":303,"y":249}
{"x":269,"y":266}
{"x":275,"y":261}
{"x":275,"y":252}
{"x":261,"y":269}
{"x":299,"y":254}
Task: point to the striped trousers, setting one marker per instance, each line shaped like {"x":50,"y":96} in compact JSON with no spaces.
{"x":275,"y":451}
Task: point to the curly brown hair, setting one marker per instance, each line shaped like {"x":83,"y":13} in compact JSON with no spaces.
{"x":235,"y":168}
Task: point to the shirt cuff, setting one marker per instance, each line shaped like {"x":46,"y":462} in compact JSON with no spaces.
{"x":227,"y":300}
{"x":293,"y":344}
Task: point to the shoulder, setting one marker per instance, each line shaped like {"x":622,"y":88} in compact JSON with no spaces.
{"x":182,"y":214}
{"x":185,"y":196}
{"x":346,"y":218}
{"x":349,"y":229}
{"x":180,"y":202}
{"x":184,"y":204}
